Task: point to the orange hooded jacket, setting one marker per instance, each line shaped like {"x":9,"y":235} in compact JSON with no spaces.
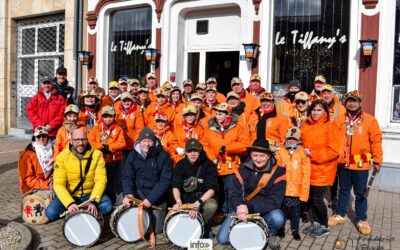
{"x":182,"y":136}
{"x":153,"y":107}
{"x":298,"y":171}
{"x":62,"y":139}
{"x":108,"y":101}
{"x":252,"y":102}
{"x":285,"y":107}
{"x":168,"y":142}
{"x":131,"y":123}
{"x":321,"y":137}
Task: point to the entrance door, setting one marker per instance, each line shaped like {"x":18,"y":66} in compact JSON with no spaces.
{"x":223,"y":66}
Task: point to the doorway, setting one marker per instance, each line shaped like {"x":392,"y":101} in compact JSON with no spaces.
{"x":223,"y":66}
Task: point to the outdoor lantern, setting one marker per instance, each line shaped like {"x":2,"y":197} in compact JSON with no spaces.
{"x":368,"y":47}
{"x":150,"y":55}
{"x":84,"y":57}
{"x":251,"y":51}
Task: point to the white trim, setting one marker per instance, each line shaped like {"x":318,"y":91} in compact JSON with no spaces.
{"x":103,"y":34}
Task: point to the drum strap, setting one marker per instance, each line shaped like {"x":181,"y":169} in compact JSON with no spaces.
{"x":87,"y":167}
{"x":262,"y":183}
{"x":140,"y":220}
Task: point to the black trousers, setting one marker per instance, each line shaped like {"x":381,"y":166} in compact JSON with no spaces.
{"x":318,"y":207}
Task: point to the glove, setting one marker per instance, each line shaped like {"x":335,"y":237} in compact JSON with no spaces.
{"x":106,"y":149}
{"x":180,"y":151}
{"x":222,"y":150}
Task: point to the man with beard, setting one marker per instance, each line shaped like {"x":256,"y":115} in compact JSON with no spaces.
{"x":285,"y":105}
{"x":60,"y":83}
{"x":134,"y":86}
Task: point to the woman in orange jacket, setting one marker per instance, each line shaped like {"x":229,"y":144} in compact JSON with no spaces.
{"x":322,"y":143}
{"x":108,"y":137}
{"x":160,"y":105}
{"x":298,"y":170}
{"x":175,"y":99}
{"x":164,"y":134}
{"x":188,"y":129}
{"x":64,"y":133}
{"x":225,"y":142}
{"x":35,"y":164}
{"x":89,"y":107}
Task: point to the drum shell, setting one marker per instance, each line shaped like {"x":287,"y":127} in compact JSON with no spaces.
{"x":99,"y":219}
{"x":259,"y":222}
{"x":33,"y":204}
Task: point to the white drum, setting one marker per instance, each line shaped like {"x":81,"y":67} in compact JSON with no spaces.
{"x":250,"y":235}
{"x":124,"y":223}
{"x":82,"y":229}
{"x":179,"y":228}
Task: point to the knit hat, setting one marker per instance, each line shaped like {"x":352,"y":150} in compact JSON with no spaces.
{"x":147,"y":133}
{"x":193,"y":145}
{"x":293,"y":132}
{"x":295,"y":83}
{"x":71,"y":108}
{"x":260,"y":145}
{"x":301,"y":96}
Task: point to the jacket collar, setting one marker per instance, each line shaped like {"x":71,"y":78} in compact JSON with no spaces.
{"x":266,"y":169}
{"x":213,"y":125}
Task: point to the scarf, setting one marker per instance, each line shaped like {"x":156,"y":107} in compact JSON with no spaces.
{"x":126,"y":111}
{"x":352,"y":121}
{"x":224,"y":125}
{"x":175,"y":104}
{"x":189,"y":130}
{"x":292,"y":148}
{"x":242,"y":94}
{"x":299,"y":118}
{"x":263,"y":115}
{"x":90,"y":116}
{"x":257,"y":91}
{"x":45,"y":157}
{"x":106,"y":131}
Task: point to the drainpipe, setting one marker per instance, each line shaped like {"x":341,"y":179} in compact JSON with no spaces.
{"x":78,"y":30}
{"x":75,"y":47}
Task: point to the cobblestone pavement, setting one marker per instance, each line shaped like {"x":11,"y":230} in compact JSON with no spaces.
{"x":384,"y":217}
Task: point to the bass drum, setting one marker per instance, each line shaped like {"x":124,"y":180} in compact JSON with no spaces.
{"x":82,"y":229}
{"x":33,"y":208}
{"x":124,"y":223}
{"x":179,"y":228}
{"x":252,"y":234}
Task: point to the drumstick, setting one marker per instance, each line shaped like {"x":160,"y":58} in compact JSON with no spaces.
{"x":248,"y":216}
{"x":183,"y":207}
{"x":79,"y":206}
{"x":140,"y":201}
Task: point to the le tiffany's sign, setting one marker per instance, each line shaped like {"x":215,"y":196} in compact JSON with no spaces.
{"x":308,"y":39}
{"x":127,"y":47}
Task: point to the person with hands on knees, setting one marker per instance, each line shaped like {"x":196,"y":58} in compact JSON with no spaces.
{"x":147,"y":176}
{"x":195,"y":181}
{"x":79,"y":175}
{"x":259,"y":187}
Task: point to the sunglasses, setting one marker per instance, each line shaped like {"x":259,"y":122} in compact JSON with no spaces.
{"x":300,"y":102}
{"x":41,"y":136}
{"x":127,"y":100}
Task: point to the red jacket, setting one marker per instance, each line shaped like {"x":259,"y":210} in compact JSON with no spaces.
{"x":42,"y":111}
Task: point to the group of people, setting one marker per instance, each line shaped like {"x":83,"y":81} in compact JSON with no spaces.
{"x":231,"y":155}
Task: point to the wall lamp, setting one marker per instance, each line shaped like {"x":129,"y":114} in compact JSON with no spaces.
{"x":368,"y":47}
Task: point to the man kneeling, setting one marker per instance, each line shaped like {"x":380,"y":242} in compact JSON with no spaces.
{"x":260,"y":170}
{"x":79,"y":168}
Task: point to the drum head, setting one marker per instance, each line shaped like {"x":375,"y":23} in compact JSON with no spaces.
{"x":180,"y":229}
{"x":81,"y":229}
{"x":128,"y":225}
{"x":241,"y":233}
{"x":33,"y":208}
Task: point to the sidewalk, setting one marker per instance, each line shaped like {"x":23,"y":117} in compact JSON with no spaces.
{"x":383,"y":215}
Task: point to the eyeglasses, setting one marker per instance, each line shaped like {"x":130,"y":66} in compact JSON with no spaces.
{"x":41,"y":136}
{"x":300,"y":102}
{"x":80,"y":140}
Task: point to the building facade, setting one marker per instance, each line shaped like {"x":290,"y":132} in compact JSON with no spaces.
{"x":201,"y":38}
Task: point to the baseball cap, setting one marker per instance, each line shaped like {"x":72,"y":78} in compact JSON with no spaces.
{"x":195,"y":96}
{"x":232,"y":94}
{"x":236,"y":80}
{"x":88,"y":92}
{"x":151,"y":75}
{"x":193,"y":145}
{"x":302,"y":96}
{"x":123,"y":80}
{"x":266,"y":96}
{"x":211,"y":89}
{"x":201,"y":85}
{"x":107,"y":110}
{"x":126,"y":95}
{"x":211,"y":79}
{"x":93,"y":79}
{"x":134,"y":81}
{"x":160,"y":116}
{"x":189,"y":109}
{"x":160,"y":92}
{"x":255,"y":77}
{"x":143,"y":89}
{"x":46,"y":78}
{"x":61,"y":70}
{"x":328,"y":87}
{"x":187,"y":82}
{"x":113,"y":84}
{"x":167,"y":85}
{"x":320,"y":78}
{"x":71,"y":108}
{"x":223,"y":107}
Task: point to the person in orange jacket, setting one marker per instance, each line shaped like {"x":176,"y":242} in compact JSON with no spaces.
{"x":129,"y":119}
{"x":286,"y":105}
{"x":299,"y":116}
{"x":298,"y":170}
{"x":134,"y":86}
{"x":201,"y":89}
{"x":322,"y":143}
{"x":252,"y":102}
{"x":89,"y":109}
{"x":362,"y":150}
{"x":319,"y":82}
{"x":160,"y":105}
{"x":100,"y":94}
{"x":212,"y":83}
{"x":269,"y":124}
{"x":114,"y":95}
{"x":210,"y":102}
{"x":35,"y":164}
{"x":255,"y":88}
{"x":187,"y":90}
{"x":225,"y":141}
{"x":188,"y":129}
{"x":108,"y":137}
{"x":336,"y":109}
{"x":143,"y":100}
{"x":123,"y":84}
{"x":163,"y":132}
{"x":196,"y":100}
{"x":64,"y":133}
{"x":151,"y":85}
{"x":175,"y":99}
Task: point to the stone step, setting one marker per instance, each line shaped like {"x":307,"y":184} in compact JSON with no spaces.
{"x":21,"y":132}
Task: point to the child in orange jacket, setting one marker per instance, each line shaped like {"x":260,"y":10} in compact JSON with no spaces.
{"x":298,"y":170}
{"x":108,"y":137}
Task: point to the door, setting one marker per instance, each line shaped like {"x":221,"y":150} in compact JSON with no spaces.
{"x":223,"y":66}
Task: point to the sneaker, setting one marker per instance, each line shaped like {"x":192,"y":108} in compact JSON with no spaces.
{"x":364,"y":227}
{"x":273,"y":243}
{"x":336,"y":220}
{"x":296,"y":235}
{"x":319,"y":232}
{"x":310,"y":228}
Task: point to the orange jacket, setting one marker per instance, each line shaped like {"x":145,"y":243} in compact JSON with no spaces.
{"x":245,"y":120}
{"x":252,"y":102}
{"x":168,"y":142}
{"x":83,"y":115}
{"x":30,"y":172}
{"x":131,"y":123}
{"x":220,"y":98}
{"x":209,"y":110}
{"x":314,"y":96}
{"x":298,"y":171}
{"x":152,"y":108}
{"x":62,"y":139}
{"x":178,"y":108}
{"x":275,"y":129}
{"x":285,"y":107}
{"x":234,"y":140}
{"x":336,"y":111}
{"x":297,"y":119}
{"x":108,"y":101}
{"x":182,"y":136}
{"x":363,"y":146}
{"x":322,"y":139}
{"x":114,"y":138}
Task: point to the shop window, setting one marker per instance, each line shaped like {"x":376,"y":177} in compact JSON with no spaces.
{"x":396,"y":69}
{"x":130,"y":34}
{"x":311,"y":37}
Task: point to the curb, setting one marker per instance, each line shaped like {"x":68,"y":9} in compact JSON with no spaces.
{"x":26,"y":235}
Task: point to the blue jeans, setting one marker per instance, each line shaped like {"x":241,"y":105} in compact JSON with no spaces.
{"x":274,"y":219}
{"x":356,"y":179}
{"x":225,"y":193}
{"x":56,"y":208}
{"x":295,"y":216}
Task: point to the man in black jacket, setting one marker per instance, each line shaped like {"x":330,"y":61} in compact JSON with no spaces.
{"x":267,"y":201}
{"x":147,"y":176}
{"x":60,"y":83}
{"x":195,"y":180}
